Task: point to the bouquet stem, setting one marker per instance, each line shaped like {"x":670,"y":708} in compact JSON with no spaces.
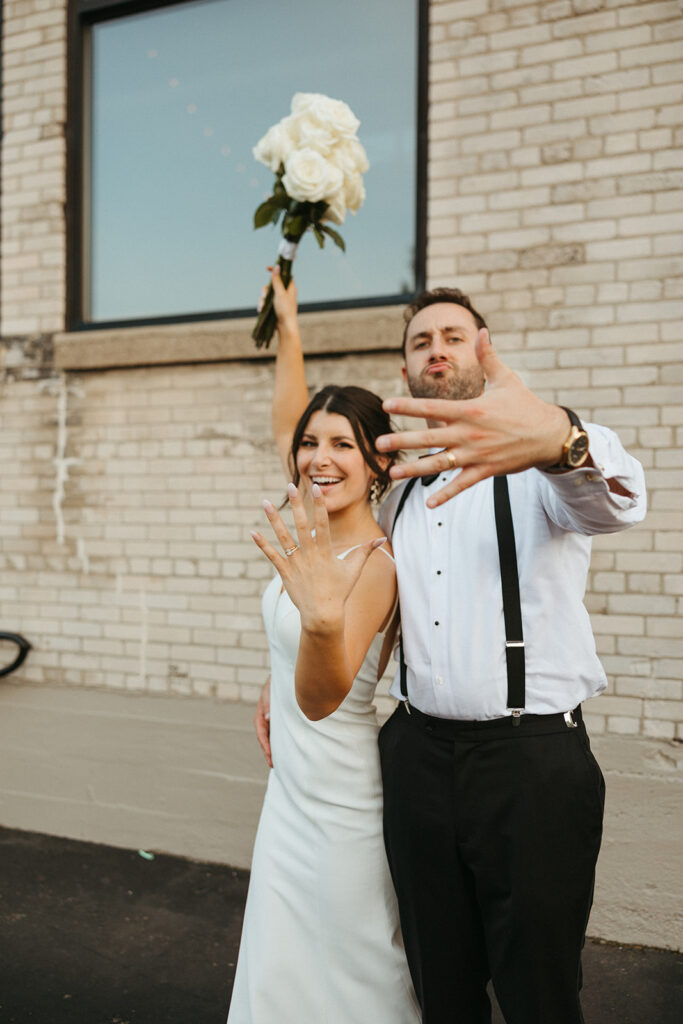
{"x":267,"y":320}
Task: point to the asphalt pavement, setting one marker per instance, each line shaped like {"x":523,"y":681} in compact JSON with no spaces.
{"x":95,"y":935}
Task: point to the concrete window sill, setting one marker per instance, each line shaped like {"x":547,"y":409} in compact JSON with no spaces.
{"x":327,"y":333}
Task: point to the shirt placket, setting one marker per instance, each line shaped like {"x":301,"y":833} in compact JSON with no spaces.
{"x":439,"y":627}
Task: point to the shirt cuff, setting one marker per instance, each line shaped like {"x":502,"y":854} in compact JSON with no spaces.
{"x":611,"y":462}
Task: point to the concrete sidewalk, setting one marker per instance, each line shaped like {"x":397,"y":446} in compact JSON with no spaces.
{"x":96,"y":935}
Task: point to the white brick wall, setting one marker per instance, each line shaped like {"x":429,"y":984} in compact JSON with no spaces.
{"x":32,"y":184}
{"x":555,"y":198}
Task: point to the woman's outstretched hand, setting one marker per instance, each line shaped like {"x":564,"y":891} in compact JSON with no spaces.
{"x":285,"y":301}
{"x":317,"y":582}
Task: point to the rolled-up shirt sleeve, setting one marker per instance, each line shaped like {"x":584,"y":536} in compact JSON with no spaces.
{"x":581,"y":500}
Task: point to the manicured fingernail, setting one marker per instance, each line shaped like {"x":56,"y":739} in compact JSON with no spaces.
{"x":315,"y":491}
{"x":292,"y":491}
{"x":254,"y":535}
{"x":389,"y":404}
{"x":381,"y":443}
{"x":268,"y":505}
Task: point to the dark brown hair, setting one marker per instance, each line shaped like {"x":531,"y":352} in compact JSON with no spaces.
{"x":430,"y":298}
{"x":363,"y":409}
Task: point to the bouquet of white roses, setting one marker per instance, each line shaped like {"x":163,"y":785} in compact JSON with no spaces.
{"x":319,"y":165}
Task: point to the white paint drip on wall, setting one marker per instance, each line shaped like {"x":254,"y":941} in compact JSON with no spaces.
{"x":61,"y":461}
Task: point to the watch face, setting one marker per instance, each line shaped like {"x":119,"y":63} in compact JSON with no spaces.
{"x":578,"y":450}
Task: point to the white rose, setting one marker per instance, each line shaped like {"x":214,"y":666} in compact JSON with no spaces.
{"x":354,"y":192}
{"x":336,"y":210}
{"x":310,"y":132}
{"x":309,"y":177}
{"x":336,"y":115}
{"x":350,"y":156}
{"x":276,"y":145}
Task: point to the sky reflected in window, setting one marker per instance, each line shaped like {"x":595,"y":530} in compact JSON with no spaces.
{"x":179,"y":98}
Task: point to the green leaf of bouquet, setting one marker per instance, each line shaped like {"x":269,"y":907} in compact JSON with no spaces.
{"x":279,"y":196}
{"x":320,"y":238}
{"x":264,"y":214}
{"x":335,"y":236}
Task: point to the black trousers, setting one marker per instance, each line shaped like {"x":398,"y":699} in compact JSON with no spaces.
{"x":492,"y":833}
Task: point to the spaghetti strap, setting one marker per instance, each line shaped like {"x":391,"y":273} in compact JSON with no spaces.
{"x":355,"y":546}
{"x":390,"y":619}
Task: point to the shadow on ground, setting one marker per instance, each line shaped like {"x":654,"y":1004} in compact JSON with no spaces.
{"x":95,"y":935}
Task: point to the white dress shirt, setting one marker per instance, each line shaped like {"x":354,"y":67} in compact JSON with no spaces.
{"x":450,"y":588}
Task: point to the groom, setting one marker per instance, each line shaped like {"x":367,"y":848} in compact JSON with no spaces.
{"x":493,"y":800}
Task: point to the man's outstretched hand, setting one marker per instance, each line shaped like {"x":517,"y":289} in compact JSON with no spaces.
{"x":507,"y":429}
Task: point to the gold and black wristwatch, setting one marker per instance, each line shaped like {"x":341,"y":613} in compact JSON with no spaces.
{"x":574,"y":449}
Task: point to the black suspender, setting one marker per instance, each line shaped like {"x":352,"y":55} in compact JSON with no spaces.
{"x":512,"y":613}
{"x":402,"y":661}
{"x":509,"y":578}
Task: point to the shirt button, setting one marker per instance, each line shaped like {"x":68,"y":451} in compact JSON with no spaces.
{"x":439,"y":680}
{"x":438,"y":572}
{"x":439,"y":524}
{"x":436,"y":623}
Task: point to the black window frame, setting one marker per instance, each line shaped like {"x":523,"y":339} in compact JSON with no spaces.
{"x":84,"y":13}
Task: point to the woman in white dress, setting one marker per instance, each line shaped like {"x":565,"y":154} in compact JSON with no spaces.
{"x":321,"y":940}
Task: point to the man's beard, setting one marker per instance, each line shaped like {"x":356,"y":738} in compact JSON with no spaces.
{"x":455,"y":384}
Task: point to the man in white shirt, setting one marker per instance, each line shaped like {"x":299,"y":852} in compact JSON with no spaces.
{"x":493,"y":800}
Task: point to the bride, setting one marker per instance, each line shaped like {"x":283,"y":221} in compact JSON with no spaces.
{"x":321,"y":940}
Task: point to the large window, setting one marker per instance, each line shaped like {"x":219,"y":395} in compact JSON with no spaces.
{"x":169,"y":101}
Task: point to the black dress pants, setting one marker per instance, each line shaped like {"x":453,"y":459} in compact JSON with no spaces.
{"x":492,"y":833}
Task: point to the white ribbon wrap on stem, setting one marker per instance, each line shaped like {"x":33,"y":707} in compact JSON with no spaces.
{"x":287,"y":249}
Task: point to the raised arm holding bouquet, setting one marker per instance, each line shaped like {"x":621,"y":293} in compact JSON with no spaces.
{"x":319,"y":165}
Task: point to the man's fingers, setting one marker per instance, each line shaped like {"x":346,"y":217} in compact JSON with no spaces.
{"x":470,"y":476}
{"x":495,"y":370}
{"x":440,"y":462}
{"x":447,"y":409}
{"x":433,"y":437}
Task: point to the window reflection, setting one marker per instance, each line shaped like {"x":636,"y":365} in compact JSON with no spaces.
{"x":180,"y":95}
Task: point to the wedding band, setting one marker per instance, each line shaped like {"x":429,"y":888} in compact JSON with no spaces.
{"x":290,"y":551}
{"x":452,"y":461}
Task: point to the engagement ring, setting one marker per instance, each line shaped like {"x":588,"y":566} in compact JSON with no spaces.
{"x":290,"y":551}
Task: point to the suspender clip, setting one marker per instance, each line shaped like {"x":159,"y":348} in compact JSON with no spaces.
{"x":516,"y":714}
{"x":569,"y":719}
{"x":514,"y":643}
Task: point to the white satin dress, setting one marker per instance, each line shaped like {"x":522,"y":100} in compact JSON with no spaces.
{"x":321,"y":941}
